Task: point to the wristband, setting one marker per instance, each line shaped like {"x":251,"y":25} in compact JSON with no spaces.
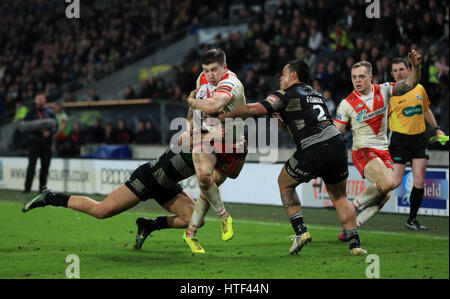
{"x":437,"y":128}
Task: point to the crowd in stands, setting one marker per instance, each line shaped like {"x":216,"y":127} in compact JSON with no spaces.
{"x":330,"y":36}
{"x":42,"y":50}
{"x":72,"y":134}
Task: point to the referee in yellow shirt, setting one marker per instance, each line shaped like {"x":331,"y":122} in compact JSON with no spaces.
{"x":407,"y":116}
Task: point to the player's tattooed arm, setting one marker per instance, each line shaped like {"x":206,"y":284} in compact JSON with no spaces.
{"x":245,"y":111}
{"x":409,"y":83}
{"x":402,"y":87}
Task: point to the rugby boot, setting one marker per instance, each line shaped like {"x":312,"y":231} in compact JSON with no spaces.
{"x":227,"y":228}
{"x":38,"y":200}
{"x":143,"y":231}
{"x":299,"y":241}
{"x":193,"y":244}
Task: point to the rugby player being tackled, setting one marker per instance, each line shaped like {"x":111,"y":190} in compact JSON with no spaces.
{"x":223,"y":93}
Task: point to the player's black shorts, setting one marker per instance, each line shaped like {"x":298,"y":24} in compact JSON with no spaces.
{"x":327,"y":160}
{"x":403,"y":148}
{"x":142,"y":183}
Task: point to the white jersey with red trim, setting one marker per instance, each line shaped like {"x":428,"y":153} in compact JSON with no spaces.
{"x":368,"y":116}
{"x":231,"y":85}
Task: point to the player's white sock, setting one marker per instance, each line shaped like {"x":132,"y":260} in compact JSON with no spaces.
{"x":370,"y":196}
{"x":198,"y":215}
{"x":212,"y":195}
{"x":366,"y":214}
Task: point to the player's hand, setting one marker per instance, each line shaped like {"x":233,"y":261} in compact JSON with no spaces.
{"x":191,"y":97}
{"x":415,"y":58}
{"x":281,"y":122}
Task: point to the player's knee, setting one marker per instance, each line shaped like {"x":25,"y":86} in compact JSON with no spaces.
{"x":102,"y":212}
{"x":204,"y":179}
{"x":419,"y":183}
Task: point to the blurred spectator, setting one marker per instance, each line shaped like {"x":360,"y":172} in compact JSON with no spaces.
{"x":333,"y":80}
{"x":110,"y":134}
{"x":95,"y":133}
{"x":129,"y":93}
{"x":146,"y":133}
{"x":331,"y":105}
{"x":124,"y":135}
{"x":60,"y":116}
{"x":315,"y":39}
{"x":93,"y":96}
{"x":442,"y":67}
{"x":21,"y":111}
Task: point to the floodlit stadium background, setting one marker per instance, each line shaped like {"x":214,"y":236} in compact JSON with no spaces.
{"x":136,"y":61}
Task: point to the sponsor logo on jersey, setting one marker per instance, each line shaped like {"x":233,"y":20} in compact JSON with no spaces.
{"x":419,"y":97}
{"x":272,"y":98}
{"x":363,"y":115}
{"x":411,"y":111}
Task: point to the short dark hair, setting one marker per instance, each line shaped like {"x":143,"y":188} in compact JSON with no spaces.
{"x":213,"y":55}
{"x":301,"y":68}
{"x":399,"y":60}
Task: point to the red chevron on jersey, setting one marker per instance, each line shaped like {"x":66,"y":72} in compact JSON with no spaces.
{"x":373,"y":117}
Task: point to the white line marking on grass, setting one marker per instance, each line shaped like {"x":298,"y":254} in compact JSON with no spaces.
{"x":329,"y":228}
{"x":319,"y":227}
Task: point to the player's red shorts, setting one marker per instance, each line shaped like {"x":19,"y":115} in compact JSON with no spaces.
{"x":230,"y":158}
{"x":362,"y":156}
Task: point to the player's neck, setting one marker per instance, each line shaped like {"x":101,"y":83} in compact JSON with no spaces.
{"x":367,"y":91}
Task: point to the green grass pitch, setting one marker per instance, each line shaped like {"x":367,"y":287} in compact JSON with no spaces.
{"x":36,"y":244}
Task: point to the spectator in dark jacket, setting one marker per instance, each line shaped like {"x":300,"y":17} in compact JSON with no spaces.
{"x":39,"y":143}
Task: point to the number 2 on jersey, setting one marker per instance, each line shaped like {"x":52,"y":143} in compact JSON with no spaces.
{"x":322,"y":115}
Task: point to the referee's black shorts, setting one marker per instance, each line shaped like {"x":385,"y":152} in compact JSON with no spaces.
{"x":144,"y":186}
{"x":403,"y":148}
{"x":327,"y":160}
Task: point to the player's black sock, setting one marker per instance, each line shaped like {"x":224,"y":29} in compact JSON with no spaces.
{"x":57,"y":199}
{"x":297,"y":223}
{"x":157,"y":224}
{"x":352,"y":238}
{"x":415,"y":200}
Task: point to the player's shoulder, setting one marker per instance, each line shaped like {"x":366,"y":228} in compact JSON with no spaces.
{"x":230,"y":79}
{"x":344,"y":104}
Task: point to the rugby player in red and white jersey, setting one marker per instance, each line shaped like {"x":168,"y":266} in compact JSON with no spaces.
{"x":366,"y":111}
{"x":224,"y":93}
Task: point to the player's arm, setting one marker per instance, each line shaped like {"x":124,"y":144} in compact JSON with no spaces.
{"x":341,"y":119}
{"x":272,"y":103}
{"x":340,"y":126}
{"x":281,"y":124}
{"x":245,"y":111}
{"x":212,"y":105}
{"x":409,"y":83}
{"x":429,"y":117}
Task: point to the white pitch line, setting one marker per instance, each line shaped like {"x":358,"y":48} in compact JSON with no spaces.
{"x":319,"y":227}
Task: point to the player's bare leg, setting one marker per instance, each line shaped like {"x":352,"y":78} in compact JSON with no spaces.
{"x":346,"y":215}
{"x":204,"y":166}
{"x":376,"y":194}
{"x":116,"y":202}
{"x":292,"y":206}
